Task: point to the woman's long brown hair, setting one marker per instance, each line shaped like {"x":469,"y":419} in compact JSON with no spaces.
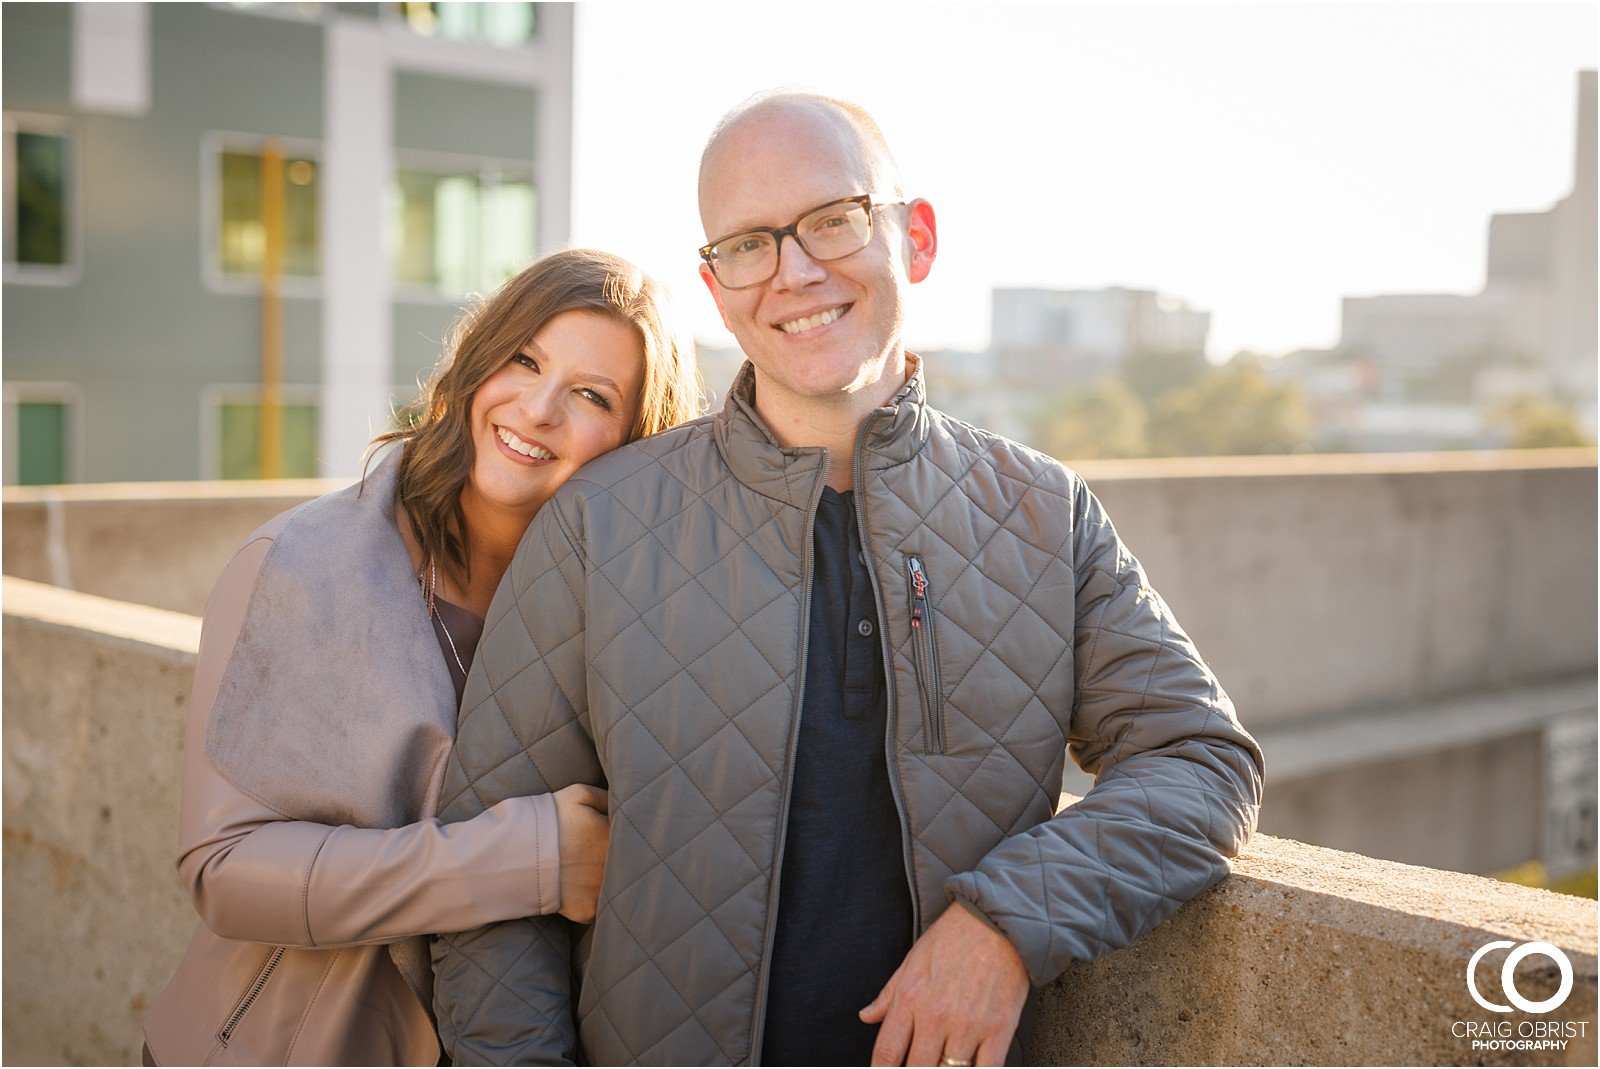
{"x":439,"y":451}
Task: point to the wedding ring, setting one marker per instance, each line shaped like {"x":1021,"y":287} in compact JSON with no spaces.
{"x":960,"y":1062}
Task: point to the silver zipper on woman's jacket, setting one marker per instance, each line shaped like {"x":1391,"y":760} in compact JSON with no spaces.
{"x":250,"y":995}
{"x":925,"y":652}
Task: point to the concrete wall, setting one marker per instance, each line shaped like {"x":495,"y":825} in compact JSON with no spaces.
{"x":1312,"y":585}
{"x":1403,"y":634}
{"x":1306,"y":955}
{"x":1321,"y":584}
{"x":94,"y":917}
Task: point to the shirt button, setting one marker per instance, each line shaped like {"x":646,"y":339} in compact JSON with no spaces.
{"x":864,"y":628}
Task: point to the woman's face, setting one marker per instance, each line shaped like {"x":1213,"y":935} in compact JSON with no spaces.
{"x":567,"y":396}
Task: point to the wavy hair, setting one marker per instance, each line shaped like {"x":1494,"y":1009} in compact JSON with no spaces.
{"x":436,"y":429}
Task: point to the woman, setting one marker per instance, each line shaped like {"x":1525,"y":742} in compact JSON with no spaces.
{"x":333,"y":656}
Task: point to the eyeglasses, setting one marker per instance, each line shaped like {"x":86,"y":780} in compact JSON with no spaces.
{"x":829,"y":231}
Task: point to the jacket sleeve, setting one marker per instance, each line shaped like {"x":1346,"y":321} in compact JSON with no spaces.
{"x":504,"y":993}
{"x":1177,"y":779}
{"x":255,"y":875}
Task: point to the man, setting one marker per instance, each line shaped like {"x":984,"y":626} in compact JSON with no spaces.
{"x":828,"y":650}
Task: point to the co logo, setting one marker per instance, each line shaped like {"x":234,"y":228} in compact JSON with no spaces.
{"x":1508,"y":980}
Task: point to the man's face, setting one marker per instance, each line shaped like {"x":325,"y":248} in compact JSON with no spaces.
{"x":815,"y":330}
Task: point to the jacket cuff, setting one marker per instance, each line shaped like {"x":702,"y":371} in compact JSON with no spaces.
{"x":968,"y":889}
{"x":547,"y":852}
{"x":978,"y":914}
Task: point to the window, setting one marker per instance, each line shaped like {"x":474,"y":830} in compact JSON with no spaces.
{"x":506,"y":25}
{"x":308,"y":11}
{"x":454,"y":231}
{"x":233,"y":433}
{"x":40,"y":228}
{"x":241,"y":233}
{"x":41,"y":434}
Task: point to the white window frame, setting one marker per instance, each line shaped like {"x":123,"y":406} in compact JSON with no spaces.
{"x":216,"y":394}
{"x":63,"y":393}
{"x":422,"y":161}
{"x":71,"y":272}
{"x":215,"y":280}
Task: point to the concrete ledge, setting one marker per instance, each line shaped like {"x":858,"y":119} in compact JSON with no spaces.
{"x":161,"y":544}
{"x":1304,"y":465}
{"x":157,"y":631}
{"x":1310,"y":956}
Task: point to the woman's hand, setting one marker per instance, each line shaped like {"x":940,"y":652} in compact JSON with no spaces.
{"x":584,"y":835}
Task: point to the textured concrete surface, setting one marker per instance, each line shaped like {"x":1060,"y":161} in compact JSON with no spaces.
{"x":95,"y":920}
{"x":1304,"y":956}
{"x":1308,"y":956}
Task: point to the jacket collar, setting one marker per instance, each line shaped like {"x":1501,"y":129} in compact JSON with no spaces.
{"x":889,"y":436}
{"x":336,"y":705}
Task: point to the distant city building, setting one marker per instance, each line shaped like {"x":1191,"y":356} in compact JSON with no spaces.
{"x":1075,"y":335}
{"x":423,"y":151}
{"x":1537,"y":304}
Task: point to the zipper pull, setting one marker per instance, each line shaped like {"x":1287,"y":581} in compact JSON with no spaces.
{"x":919,"y":591}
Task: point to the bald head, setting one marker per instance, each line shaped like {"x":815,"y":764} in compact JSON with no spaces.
{"x":840,"y":125}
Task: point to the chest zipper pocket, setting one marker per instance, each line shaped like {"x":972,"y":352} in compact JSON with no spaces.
{"x":253,"y":992}
{"x":925,"y":652}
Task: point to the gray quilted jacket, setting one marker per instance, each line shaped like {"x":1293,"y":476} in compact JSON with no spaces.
{"x":651,"y":635}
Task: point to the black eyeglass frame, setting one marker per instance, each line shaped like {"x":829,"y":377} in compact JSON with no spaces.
{"x":869,"y":201}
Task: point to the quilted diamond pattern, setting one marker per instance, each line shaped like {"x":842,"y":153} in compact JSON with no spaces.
{"x":649,"y":638}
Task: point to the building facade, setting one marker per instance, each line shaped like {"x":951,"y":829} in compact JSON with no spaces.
{"x":1078,"y":335}
{"x":1535,"y":311}
{"x":376,"y":163}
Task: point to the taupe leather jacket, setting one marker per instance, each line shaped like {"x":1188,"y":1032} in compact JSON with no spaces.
{"x":651,"y":635}
{"x":303,"y":837}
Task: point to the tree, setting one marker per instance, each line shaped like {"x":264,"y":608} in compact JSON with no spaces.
{"x":1152,"y":373}
{"x":1106,"y":419}
{"x":1532,"y":423}
{"x":1231,"y":411}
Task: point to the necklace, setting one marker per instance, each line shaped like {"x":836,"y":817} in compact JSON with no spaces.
{"x":433,"y":611}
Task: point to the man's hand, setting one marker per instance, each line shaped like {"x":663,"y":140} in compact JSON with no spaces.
{"x":956,"y":997}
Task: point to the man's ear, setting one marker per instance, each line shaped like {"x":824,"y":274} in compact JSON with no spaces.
{"x":923,"y":233}
{"x":716,"y":293}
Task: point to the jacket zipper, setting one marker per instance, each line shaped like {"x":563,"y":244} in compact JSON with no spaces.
{"x":226,"y":1033}
{"x":891,"y":765}
{"x":759,"y":1028}
{"x":926,"y":654}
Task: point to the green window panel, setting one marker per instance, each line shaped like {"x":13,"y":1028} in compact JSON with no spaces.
{"x":41,"y":193}
{"x":41,"y":443}
{"x":242,"y":235}
{"x":506,"y":25}
{"x":241,"y":440}
{"x":460,"y":233}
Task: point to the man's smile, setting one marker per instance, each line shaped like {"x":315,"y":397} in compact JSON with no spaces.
{"x":815,"y":320}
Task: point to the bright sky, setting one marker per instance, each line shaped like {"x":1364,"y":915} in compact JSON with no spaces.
{"x":1257,"y":159}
